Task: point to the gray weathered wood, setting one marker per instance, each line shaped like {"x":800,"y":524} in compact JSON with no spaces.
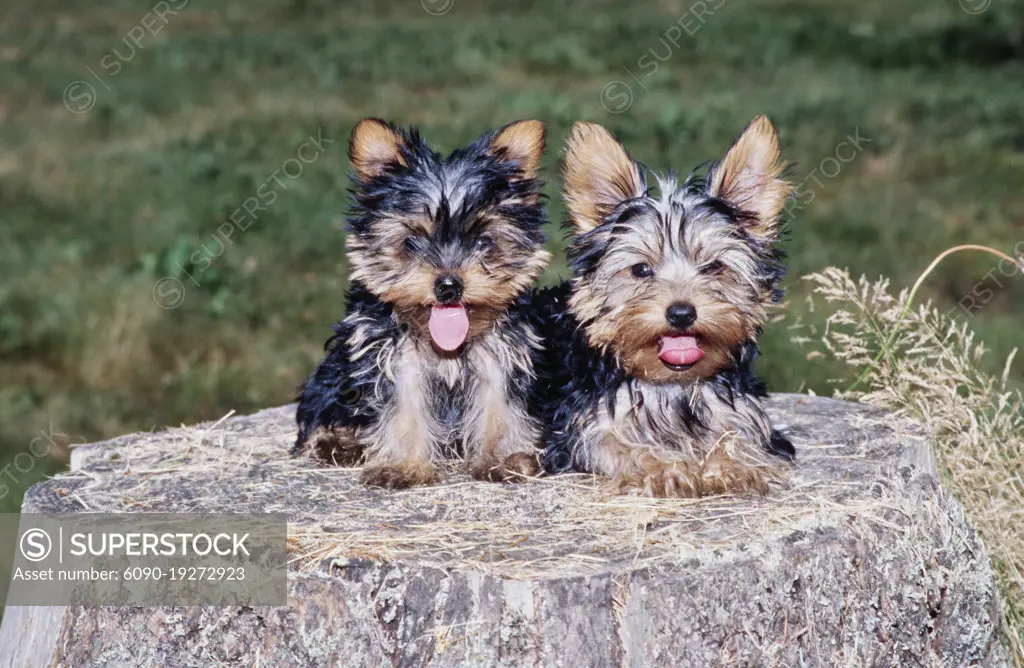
{"x":864,"y":559}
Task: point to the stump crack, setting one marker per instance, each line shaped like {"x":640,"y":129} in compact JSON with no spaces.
{"x":620,"y":602}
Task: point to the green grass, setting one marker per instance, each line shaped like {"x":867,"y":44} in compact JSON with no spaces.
{"x":96,"y":207}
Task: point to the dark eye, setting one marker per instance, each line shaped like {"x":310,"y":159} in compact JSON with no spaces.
{"x":483,"y":243}
{"x":642,"y":270}
{"x":712,"y":268}
{"x":413,"y":244}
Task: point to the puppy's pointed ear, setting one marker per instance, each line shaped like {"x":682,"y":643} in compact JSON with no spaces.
{"x":750,"y":178}
{"x":523,"y":143}
{"x":599,"y":174}
{"x":375,"y":146}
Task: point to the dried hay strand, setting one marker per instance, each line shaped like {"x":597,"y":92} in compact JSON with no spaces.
{"x":922,"y":364}
{"x":543,"y":528}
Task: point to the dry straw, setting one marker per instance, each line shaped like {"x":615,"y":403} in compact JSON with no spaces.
{"x":922,"y":364}
{"x":551,"y":527}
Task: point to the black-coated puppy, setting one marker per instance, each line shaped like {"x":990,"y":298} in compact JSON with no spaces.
{"x":435,"y":356}
{"x":651,"y":347}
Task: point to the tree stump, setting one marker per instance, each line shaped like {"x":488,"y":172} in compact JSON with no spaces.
{"x":861,"y":559}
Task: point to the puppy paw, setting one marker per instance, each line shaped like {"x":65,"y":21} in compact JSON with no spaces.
{"x":399,"y":476}
{"x":731,"y":477}
{"x":522,"y":465}
{"x":517,"y":467}
{"x":487,"y":470}
{"x":334,"y":447}
{"x":664,"y":480}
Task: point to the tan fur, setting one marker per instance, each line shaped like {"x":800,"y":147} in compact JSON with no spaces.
{"x":408,"y":473}
{"x":721,"y":474}
{"x":373,"y":147}
{"x":523,"y":142}
{"x":668,"y":432}
{"x":626,"y":315}
{"x":517,"y":467}
{"x":598,"y":175}
{"x":642,"y":447}
{"x":521,"y":465}
{"x":634,"y":330}
{"x":650,"y":471}
{"x":749,"y":176}
{"x":487,"y":293}
{"x":405,"y":439}
{"x":336,"y":446}
{"x":649,"y":475}
{"x":500,"y":439}
{"x":427,"y":404}
{"x":498,"y":427}
{"x":658,"y":473}
{"x":496,"y":285}
{"x":411,"y":288}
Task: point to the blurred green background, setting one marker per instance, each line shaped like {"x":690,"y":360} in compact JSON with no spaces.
{"x":128,"y":135}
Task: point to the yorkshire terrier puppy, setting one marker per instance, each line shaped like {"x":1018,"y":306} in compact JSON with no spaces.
{"x":651,"y":350}
{"x":435,"y":357}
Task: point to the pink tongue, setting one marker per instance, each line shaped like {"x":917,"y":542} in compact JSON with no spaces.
{"x":679,"y":350}
{"x":449,"y":326}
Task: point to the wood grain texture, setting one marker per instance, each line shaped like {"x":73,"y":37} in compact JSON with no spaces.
{"x":863,"y":559}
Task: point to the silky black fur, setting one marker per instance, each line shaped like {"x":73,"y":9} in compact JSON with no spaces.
{"x":340,"y":392}
{"x":489,"y":181}
{"x":414,"y":219}
{"x":335,"y":392}
{"x":574,"y":378}
{"x":639,"y":256}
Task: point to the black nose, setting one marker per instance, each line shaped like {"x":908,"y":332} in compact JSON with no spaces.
{"x":448,"y":289}
{"x":681,"y":316}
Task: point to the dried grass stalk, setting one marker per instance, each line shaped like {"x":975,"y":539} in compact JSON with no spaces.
{"x":918,"y":362}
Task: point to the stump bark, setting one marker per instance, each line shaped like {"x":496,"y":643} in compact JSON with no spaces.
{"x":861,"y":559}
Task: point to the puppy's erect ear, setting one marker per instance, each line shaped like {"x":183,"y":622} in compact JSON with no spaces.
{"x":599,"y":174}
{"x":375,"y":146}
{"x":521,"y":142}
{"x":749,"y":177}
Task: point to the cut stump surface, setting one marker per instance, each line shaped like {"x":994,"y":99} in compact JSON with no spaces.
{"x":862,"y":559}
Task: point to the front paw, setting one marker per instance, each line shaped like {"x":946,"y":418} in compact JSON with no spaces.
{"x":727,"y":476}
{"x":663,"y":480}
{"x":334,"y":446}
{"x":517,"y":467}
{"x":399,"y":476}
{"x":522,"y":465}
